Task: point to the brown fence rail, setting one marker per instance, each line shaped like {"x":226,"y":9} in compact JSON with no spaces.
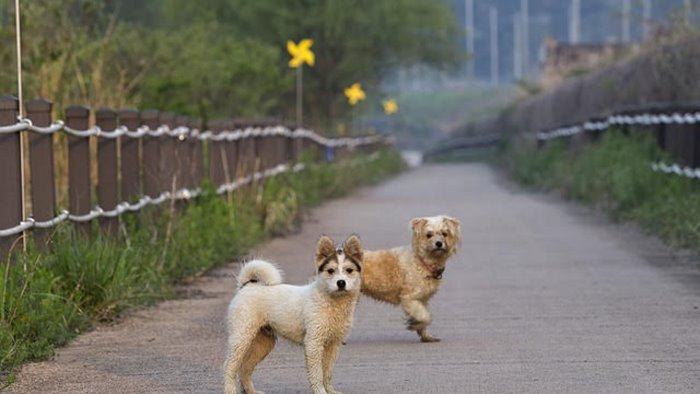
{"x":143,"y":158}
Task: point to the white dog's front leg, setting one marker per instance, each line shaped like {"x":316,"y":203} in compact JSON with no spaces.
{"x":330,"y":354}
{"x":313,"y":349}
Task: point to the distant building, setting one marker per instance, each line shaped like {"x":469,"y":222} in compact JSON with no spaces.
{"x":563,"y":60}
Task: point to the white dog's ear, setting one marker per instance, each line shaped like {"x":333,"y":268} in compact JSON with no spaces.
{"x":352,"y":247}
{"x":417,"y":224}
{"x":455,"y":228}
{"x":324,"y":249}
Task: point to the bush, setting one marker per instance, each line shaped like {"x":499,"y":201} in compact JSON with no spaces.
{"x":615,"y":175}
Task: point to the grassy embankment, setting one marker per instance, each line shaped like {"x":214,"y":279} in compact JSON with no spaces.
{"x":615,"y":174}
{"x":48,"y":298}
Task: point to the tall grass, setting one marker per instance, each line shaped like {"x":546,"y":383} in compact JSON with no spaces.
{"x":47,"y":298}
{"x":615,"y":175}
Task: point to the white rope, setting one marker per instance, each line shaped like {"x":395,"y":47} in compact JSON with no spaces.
{"x":119,"y":209}
{"x":182,"y":133}
{"x":688,"y":172}
{"x":646,"y":119}
{"x":182,"y":194}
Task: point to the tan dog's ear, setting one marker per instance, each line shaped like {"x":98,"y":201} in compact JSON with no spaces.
{"x":353,"y":248}
{"x":455,"y":228}
{"x":417,"y":224}
{"x":324,"y":249}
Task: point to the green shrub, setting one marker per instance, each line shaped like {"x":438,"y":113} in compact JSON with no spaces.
{"x":615,"y":174}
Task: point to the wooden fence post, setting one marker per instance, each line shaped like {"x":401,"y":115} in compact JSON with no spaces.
{"x":10,"y":161}
{"x":197,"y":154}
{"x":129,"y":157}
{"x":107,"y":188}
{"x":259,"y":159}
{"x":216,"y":151}
{"x":168,"y":165}
{"x":79,"y":188}
{"x":246,"y":153}
{"x":42,"y":169}
{"x":281,"y":149}
{"x":695,"y":162}
{"x":661,"y":136}
{"x":183,"y":154}
{"x":151,"y":156}
{"x":292,"y":148}
{"x":231,"y":152}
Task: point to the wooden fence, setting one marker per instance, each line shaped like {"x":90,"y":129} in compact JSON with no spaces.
{"x":674,"y":126}
{"x":142,"y":158}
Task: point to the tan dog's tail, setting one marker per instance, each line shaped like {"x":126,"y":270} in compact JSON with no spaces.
{"x":259,"y":272}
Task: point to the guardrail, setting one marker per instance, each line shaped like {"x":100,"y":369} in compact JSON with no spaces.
{"x":676,"y":128}
{"x":143,"y":158}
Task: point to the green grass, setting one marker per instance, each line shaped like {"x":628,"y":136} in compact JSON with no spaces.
{"x":46,"y":299}
{"x":615,"y":175}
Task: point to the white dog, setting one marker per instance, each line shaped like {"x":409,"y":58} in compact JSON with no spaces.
{"x":317,"y":315}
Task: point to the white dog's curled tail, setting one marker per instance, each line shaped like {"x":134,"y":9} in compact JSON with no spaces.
{"x":259,"y":272}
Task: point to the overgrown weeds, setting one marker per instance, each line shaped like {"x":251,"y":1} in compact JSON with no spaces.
{"x":615,"y":174}
{"x":47,"y":298}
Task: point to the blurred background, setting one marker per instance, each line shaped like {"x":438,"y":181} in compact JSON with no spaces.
{"x":449,"y":64}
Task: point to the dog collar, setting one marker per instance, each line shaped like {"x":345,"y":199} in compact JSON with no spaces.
{"x":435,"y":273}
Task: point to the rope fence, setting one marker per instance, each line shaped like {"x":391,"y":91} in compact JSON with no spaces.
{"x":166,"y":154}
{"x":183,"y":132}
{"x":659,"y":117}
{"x":622,"y":120}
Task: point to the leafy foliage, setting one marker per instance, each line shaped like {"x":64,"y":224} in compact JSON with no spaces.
{"x":615,"y":174}
{"x":223,"y":59}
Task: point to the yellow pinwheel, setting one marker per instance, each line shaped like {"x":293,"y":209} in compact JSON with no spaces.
{"x":390,"y":106}
{"x":301,"y":53}
{"x":354,"y":93}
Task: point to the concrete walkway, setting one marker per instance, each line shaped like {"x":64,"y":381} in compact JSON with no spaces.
{"x":543,"y":298}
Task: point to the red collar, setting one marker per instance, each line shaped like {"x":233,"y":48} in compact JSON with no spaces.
{"x":435,"y":272}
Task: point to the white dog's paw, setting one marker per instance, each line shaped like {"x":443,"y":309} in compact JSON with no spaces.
{"x":331,"y":390}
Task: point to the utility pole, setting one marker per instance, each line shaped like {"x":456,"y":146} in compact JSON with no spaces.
{"x":626,"y":11}
{"x":688,"y":8}
{"x":517,"y":47}
{"x":646,"y":4}
{"x":469,"y":36}
{"x":493,"y":18}
{"x":525,"y":13}
{"x":575,"y":22}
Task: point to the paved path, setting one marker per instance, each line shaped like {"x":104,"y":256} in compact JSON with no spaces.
{"x":544,"y":298}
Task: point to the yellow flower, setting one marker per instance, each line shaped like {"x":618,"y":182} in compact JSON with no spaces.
{"x":354,"y":93}
{"x":390,"y":106}
{"x":301,"y":53}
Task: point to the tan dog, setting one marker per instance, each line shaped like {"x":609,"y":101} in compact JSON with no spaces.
{"x":317,"y":315}
{"x":410,"y":275}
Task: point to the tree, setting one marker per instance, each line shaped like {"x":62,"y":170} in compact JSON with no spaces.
{"x":358,"y":40}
